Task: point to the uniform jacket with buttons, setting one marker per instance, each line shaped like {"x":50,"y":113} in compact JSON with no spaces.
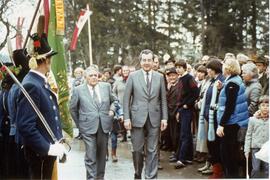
{"x":30,"y":128}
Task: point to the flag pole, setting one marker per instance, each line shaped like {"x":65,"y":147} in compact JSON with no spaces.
{"x":89,"y":38}
{"x":31,"y":25}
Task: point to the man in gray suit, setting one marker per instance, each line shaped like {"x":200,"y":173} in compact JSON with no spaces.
{"x":92,"y":109}
{"x":145,"y":113}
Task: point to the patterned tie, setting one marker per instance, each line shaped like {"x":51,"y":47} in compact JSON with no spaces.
{"x":95,"y":97}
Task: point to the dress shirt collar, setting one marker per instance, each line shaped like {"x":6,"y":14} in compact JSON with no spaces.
{"x":39,"y":74}
{"x":96,"y":88}
{"x":149,"y":74}
{"x":185,"y":73}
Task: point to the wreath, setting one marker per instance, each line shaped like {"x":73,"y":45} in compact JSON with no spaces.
{"x":15,"y":70}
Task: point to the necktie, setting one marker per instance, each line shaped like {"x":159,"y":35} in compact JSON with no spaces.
{"x":147,"y":82}
{"x":95,"y":97}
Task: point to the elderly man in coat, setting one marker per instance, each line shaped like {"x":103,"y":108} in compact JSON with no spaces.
{"x":92,"y":108}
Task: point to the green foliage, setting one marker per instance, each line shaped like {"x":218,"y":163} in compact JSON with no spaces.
{"x":186,"y":28}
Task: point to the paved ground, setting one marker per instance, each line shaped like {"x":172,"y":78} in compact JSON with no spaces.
{"x":74,"y":168}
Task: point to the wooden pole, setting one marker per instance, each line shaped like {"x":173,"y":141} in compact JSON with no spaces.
{"x":89,"y":38}
{"x":32,"y":23}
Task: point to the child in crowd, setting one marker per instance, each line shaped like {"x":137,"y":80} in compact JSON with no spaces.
{"x":257,"y":135}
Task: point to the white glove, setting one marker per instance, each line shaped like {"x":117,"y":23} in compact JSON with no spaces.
{"x":57,"y":149}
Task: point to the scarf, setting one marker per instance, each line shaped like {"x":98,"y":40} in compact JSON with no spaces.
{"x":211,"y":129}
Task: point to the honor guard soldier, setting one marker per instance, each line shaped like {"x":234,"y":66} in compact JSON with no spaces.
{"x":16,"y":154}
{"x":41,"y":150}
{"x":5,"y":129}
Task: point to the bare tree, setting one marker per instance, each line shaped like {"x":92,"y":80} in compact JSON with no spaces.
{"x":7,"y":29}
{"x":4,"y":22}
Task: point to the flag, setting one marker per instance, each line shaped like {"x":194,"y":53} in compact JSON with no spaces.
{"x":83,"y":17}
{"x":46,"y":5}
{"x":59,"y":67}
{"x":19,"y":37}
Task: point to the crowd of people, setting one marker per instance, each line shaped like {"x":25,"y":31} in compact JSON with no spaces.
{"x":213,"y":104}
{"x":214,"y":112}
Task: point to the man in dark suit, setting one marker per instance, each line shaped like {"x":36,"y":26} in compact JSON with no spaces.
{"x":40,"y":149}
{"x":172,"y":100}
{"x":92,"y":108}
{"x":145,"y":113}
{"x":262,"y":64}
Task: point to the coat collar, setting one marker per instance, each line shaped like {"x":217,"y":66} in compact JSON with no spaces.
{"x":40,"y":75}
{"x":87,"y":91}
{"x":37,"y":77}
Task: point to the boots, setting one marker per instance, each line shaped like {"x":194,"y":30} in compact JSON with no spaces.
{"x":205,"y":167}
{"x":217,"y":171}
{"x":138,"y":164}
{"x":114,"y":157}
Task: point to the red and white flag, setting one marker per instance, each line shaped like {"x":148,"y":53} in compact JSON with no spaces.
{"x":46,"y":6}
{"x":19,"y":37}
{"x":83,"y":17}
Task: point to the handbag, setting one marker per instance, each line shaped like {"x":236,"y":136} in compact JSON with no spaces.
{"x":117,"y":128}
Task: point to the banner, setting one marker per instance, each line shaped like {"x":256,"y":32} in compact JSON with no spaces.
{"x":46,"y":5}
{"x":59,"y":69}
{"x":83,"y":17}
{"x":60,"y":17}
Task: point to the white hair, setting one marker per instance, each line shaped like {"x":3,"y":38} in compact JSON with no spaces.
{"x":229,"y":55}
{"x":241,"y":58}
{"x":90,"y":69}
{"x":251,"y":68}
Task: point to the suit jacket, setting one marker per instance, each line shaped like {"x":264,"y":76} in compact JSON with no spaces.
{"x":264,"y":81}
{"x":138,"y":103}
{"x":172,"y":95}
{"x":87,"y":114}
{"x":30,"y":128}
{"x":119,"y":90}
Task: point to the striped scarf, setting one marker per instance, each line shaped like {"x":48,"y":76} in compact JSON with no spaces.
{"x":211,"y":129}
